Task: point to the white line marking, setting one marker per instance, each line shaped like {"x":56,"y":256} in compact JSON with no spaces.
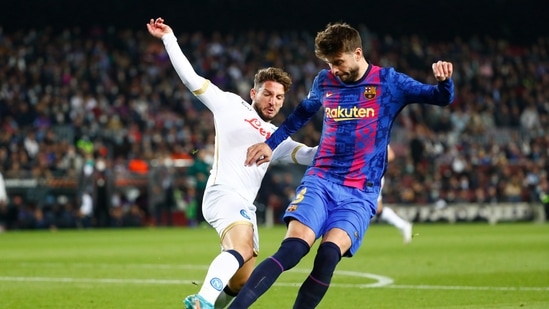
{"x":286,"y":284}
{"x":381,"y":281}
{"x":468,"y":288}
{"x":119,"y":266}
{"x":94,"y":280}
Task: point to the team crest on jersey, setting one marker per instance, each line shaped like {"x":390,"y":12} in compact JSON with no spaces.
{"x":291,"y":208}
{"x":244,"y":214}
{"x":370,"y":92}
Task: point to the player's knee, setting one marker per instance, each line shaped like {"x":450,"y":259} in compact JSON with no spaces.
{"x":290,"y":252}
{"x":239,"y":238}
{"x":329,"y":254}
{"x":326,"y":260}
{"x":245,"y":252}
{"x":238,"y":256}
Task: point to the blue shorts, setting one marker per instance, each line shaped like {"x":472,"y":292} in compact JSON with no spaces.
{"x":323,"y":205}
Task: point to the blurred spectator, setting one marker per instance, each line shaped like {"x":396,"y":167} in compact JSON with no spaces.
{"x":163,"y":190}
{"x":199,"y":172}
{"x":85,"y":212}
{"x":543,"y":191}
{"x":71,"y":161}
{"x":529,"y":118}
{"x":416,"y":150}
{"x":512,"y":189}
{"x":103,"y":186}
{"x":4,"y":211}
{"x":191,"y":205}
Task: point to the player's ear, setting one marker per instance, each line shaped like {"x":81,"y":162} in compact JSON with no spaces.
{"x":252,"y":94}
{"x":358,"y":54}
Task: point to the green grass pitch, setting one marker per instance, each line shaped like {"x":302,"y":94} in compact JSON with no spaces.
{"x":445,"y":266}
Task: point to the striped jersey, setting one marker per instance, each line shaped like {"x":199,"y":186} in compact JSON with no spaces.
{"x":357,"y":122}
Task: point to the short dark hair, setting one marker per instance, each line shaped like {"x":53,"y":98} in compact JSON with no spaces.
{"x":335,"y":39}
{"x":273,"y":74}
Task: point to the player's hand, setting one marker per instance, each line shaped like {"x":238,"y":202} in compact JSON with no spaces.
{"x":258,"y":153}
{"x":443,"y":70}
{"x":157,"y":28}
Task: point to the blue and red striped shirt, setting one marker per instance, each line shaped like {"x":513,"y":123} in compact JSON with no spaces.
{"x":357,"y":122}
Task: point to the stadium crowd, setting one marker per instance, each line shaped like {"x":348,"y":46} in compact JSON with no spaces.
{"x":106,"y":102}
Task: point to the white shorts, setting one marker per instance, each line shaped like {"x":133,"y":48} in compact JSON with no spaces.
{"x":223,"y":207}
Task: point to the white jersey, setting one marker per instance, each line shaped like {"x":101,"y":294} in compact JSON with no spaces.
{"x":237,"y":127}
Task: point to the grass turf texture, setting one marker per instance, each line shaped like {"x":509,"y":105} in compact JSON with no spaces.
{"x":446,"y":266}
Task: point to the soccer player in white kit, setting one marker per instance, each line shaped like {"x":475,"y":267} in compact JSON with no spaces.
{"x":389,"y":215}
{"x":232,"y":186}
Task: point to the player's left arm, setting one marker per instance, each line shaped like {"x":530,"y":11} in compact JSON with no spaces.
{"x":440,"y":94}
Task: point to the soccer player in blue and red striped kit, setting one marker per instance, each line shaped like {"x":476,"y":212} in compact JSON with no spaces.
{"x":338,"y":195}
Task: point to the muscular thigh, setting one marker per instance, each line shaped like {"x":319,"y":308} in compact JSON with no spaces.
{"x":239,"y":237}
{"x":224,"y":208}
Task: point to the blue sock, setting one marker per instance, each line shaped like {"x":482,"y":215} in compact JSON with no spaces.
{"x":316,"y":285}
{"x":265,"y":274}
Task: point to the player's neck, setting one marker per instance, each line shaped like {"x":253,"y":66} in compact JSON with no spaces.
{"x":364,"y":65}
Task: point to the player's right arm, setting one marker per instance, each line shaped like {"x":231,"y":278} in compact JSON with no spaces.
{"x":209,"y":94}
{"x":181,"y":64}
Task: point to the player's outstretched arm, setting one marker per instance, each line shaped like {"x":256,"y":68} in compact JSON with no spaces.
{"x":158,"y":28}
{"x":443,"y":70}
{"x":181,"y":64}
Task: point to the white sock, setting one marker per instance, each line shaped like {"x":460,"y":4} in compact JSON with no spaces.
{"x":221,"y":270}
{"x":223,"y":300}
{"x":391,"y":217}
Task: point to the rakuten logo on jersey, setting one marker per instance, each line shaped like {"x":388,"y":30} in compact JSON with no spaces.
{"x":340,"y":113}
{"x":257,"y":124}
